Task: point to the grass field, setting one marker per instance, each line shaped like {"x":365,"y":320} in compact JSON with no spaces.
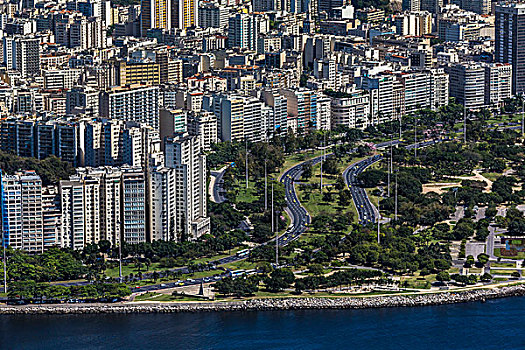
{"x":491,"y":176}
{"x":499,"y":264}
{"x":314,"y":203}
{"x":417,"y":281}
{"x":502,"y":272}
{"x":132,"y":268}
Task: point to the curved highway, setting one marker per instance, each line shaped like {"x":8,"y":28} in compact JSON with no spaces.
{"x":366,"y":211}
{"x":298,"y":214}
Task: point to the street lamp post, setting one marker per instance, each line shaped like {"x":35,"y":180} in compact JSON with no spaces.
{"x":522,"y":114}
{"x":119,"y":254}
{"x":322,"y":156}
{"x":464,"y":124}
{"x":415,"y":138}
{"x":378,"y":222}
{"x":395,"y":201}
{"x":5,"y":260}
{"x":400,"y":136}
{"x":265,"y":187}
{"x":246,"y":162}
{"x":276,"y":235}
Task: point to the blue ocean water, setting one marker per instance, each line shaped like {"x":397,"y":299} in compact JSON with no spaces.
{"x":496,"y":324}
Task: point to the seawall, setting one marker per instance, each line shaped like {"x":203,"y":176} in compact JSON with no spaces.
{"x":303,"y":303}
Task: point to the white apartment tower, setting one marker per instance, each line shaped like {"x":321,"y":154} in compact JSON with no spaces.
{"x":22,"y":221}
{"x":183,"y":153}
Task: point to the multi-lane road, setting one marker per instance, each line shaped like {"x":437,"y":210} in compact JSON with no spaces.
{"x":366,"y":211}
{"x":299,"y":221}
{"x":298,"y":214}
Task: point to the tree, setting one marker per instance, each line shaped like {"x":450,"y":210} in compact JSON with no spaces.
{"x":443,"y":276}
{"x":463,"y":230}
{"x":279,"y":279}
{"x":372,"y":177}
{"x":330,"y":166}
{"x":239,"y":287}
{"x":104,"y":246}
{"x":441,"y":264}
{"x":345,"y":198}
{"x":486,"y":277}
{"x":22,"y":290}
{"x":316,"y":269}
{"x":483,"y":259}
{"x":470,"y":261}
{"x":307,"y":170}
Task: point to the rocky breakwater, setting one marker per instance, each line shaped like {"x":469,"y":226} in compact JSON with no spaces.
{"x":274,"y":303}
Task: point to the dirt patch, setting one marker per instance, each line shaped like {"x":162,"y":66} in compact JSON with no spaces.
{"x":439,"y":187}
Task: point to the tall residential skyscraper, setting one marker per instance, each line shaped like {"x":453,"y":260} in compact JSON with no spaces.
{"x":133,"y":206}
{"x":161,"y":197}
{"x":155,"y":14}
{"x":21,"y":207}
{"x":184,"y":14}
{"x":168,"y":14}
{"x":244,"y":29}
{"x":22,"y":54}
{"x":467,"y":84}
{"x":510,"y":41}
{"x":134,"y":103}
{"x":498,"y":83}
{"x":183,"y":154}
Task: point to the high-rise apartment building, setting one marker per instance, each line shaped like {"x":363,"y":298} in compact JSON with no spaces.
{"x":498,"y":83}
{"x":243,"y":30}
{"x":155,"y":14}
{"x":351,"y":110}
{"x":239,"y":117}
{"x":167,"y":14}
{"x":213,"y":15}
{"x":203,"y":125}
{"x":183,"y":154}
{"x":482,"y":7}
{"x":467,"y":84}
{"x":22,"y":54}
{"x":134,"y":103}
{"x":277,"y":121}
{"x":21,"y":206}
{"x":73,"y":229}
{"x":302,"y":109}
{"x":510,"y":41}
{"x":184,"y":14}
{"x":134,"y":206}
{"x":162,"y":204}
{"x":51,"y":217}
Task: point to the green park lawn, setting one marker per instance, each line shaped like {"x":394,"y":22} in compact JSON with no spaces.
{"x":491,"y":176}
{"x":246,"y":195}
{"x":502,"y":272}
{"x":165,"y":297}
{"x":417,"y":281}
{"x":314,"y":203}
{"x":500,"y":264}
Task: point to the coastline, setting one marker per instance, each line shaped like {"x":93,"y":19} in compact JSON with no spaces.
{"x":264,"y":304}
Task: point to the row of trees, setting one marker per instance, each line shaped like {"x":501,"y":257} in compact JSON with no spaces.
{"x":30,"y":289}
{"x":281,"y":279}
